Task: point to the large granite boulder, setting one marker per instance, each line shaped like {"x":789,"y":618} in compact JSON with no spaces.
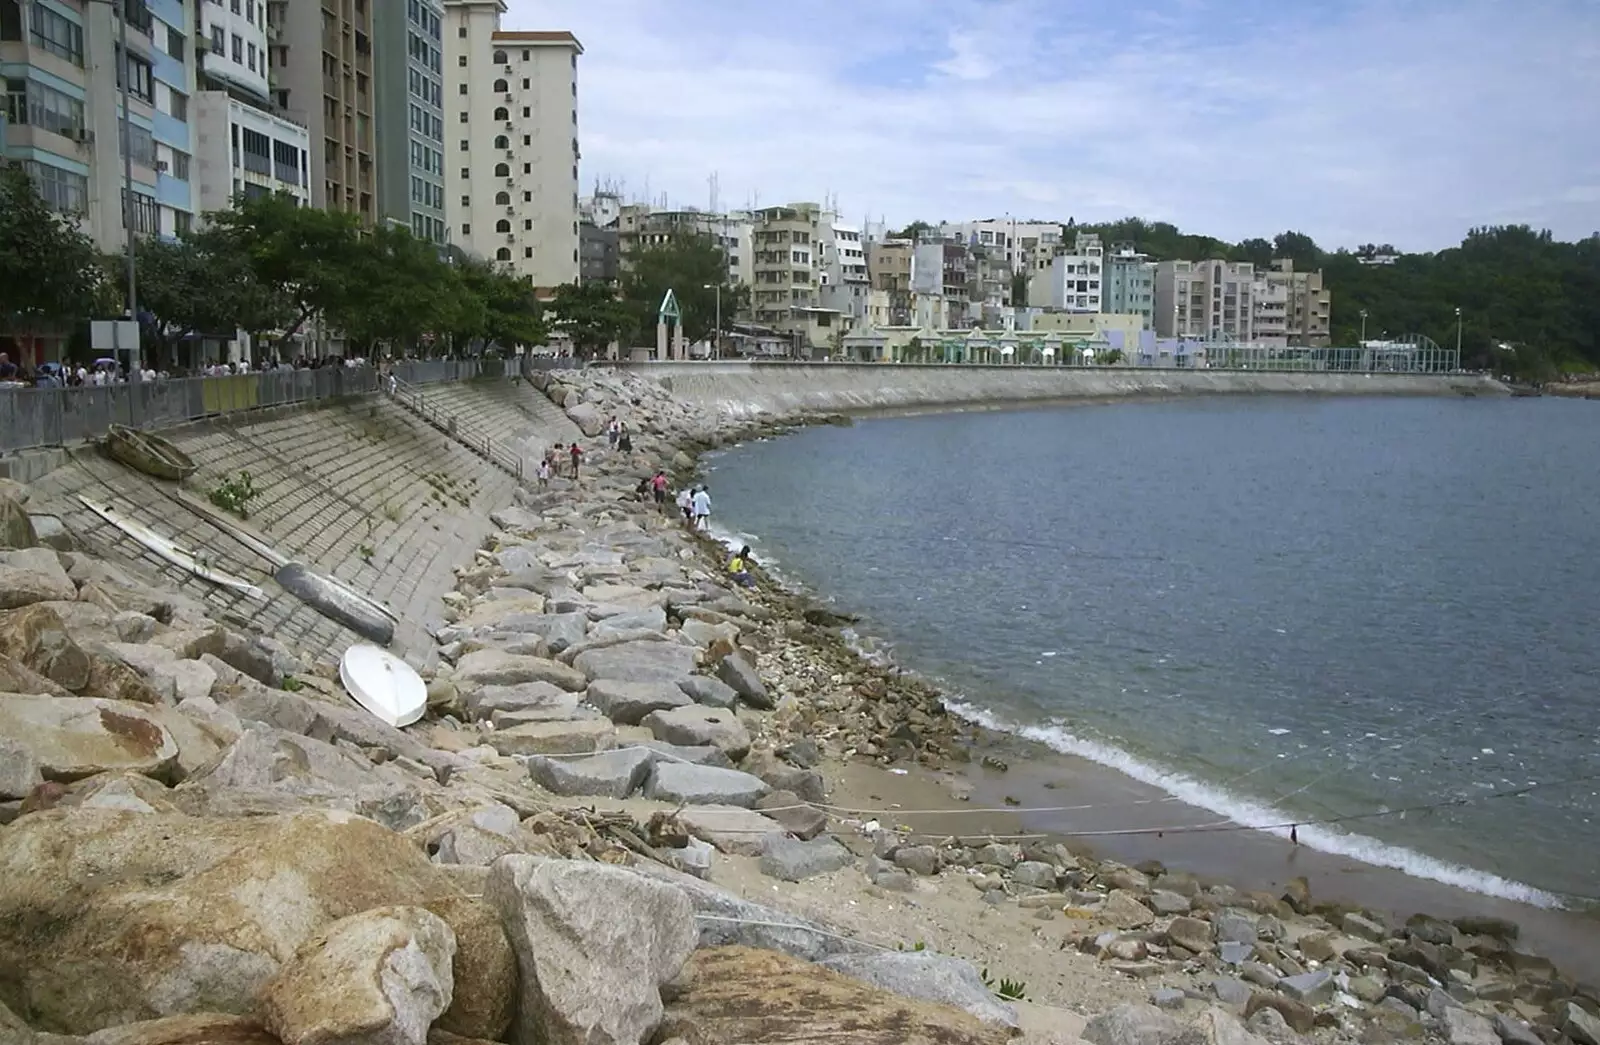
{"x":491,"y":667}
{"x":729,"y":995}
{"x":699,"y":726}
{"x":36,"y":638}
{"x":380,"y":977}
{"x":70,"y":738}
{"x":594,"y":945}
{"x":110,"y":917}
{"x":16,"y":528}
{"x":33,"y":575}
{"x":642,"y":661}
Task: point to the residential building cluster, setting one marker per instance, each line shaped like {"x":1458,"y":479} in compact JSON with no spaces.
{"x":821,"y":286}
{"x":425,"y":114}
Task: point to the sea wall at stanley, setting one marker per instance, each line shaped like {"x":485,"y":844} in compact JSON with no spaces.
{"x":752,"y":390}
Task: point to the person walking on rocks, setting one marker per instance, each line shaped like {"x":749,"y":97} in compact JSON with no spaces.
{"x":701,"y":501}
{"x":686,"y":506}
{"x":739,"y":568}
{"x":624,"y":440}
{"x":658,"y":486}
{"x":613,"y":430}
{"x":577,"y":458}
{"x":544,"y":472}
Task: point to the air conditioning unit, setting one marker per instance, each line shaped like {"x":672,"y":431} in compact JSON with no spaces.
{"x":161,"y":166}
{"x":510,"y":125}
{"x":83,"y":136}
{"x":511,"y":237}
{"x":510,"y":97}
{"x":510,"y":209}
{"x":202,"y":48}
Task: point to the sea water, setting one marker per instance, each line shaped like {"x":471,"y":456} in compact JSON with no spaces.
{"x":1376,"y":618}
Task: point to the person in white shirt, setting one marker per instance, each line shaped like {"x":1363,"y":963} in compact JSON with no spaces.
{"x":701,"y":503}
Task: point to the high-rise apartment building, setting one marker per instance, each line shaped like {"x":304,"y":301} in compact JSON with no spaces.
{"x":1307,"y":303}
{"x":1018,"y":243}
{"x":843,"y":282}
{"x":889,"y":264}
{"x":511,"y":142}
{"x":787,"y":259}
{"x":61,"y":67}
{"x":1072,"y":282}
{"x":241,"y":146}
{"x":321,"y":72}
{"x":408,"y":70}
{"x":1130,"y":285}
{"x":1212,"y":299}
{"x":639,"y":226}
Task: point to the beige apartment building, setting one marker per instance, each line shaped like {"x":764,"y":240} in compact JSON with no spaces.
{"x":784,"y":272}
{"x":511,"y":142}
{"x":889,"y":270}
{"x":1308,"y":301}
{"x":1212,"y":300}
{"x":320,"y":68}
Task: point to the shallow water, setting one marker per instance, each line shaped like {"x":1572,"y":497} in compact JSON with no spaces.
{"x":1282,"y":610}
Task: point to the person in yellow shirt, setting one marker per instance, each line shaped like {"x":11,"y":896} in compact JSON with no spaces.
{"x":739,"y":567}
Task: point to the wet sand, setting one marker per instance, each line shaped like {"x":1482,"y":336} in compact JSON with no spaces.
{"x":1246,"y":859}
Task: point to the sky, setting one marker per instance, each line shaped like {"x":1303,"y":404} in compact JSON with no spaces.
{"x":1355,"y":121}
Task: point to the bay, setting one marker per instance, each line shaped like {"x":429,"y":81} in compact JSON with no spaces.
{"x":1325,"y":610}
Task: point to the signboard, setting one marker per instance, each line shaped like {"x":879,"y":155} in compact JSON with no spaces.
{"x":115,"y":336}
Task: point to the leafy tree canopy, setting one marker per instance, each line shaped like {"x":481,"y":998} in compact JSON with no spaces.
{"x":694,"y":269}
{"x":49,"y":271}
{"x":592,"y":316}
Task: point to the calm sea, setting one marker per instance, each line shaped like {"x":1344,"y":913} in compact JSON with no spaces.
{"x":1275,"y":608}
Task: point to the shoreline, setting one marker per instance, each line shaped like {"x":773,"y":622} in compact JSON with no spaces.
{"x":1252,"y":859}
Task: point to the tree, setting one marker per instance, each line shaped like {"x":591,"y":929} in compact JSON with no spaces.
{"x":1299,"y":248}
{"x":308,"y":255}
{"x":913,"y":231}
{"x":592,"y":316}
{"x":1257,"y":251}
{"x":500,"y":309}
{"x":49,"y":271}
{"x":398,"y":290}
{"x":199,"y":285}
{"x":693,"y":267}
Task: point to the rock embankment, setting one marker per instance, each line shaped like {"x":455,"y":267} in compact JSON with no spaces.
{"x":206,"y":843}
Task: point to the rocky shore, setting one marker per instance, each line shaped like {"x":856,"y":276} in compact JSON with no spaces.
{"x":646,"y":805}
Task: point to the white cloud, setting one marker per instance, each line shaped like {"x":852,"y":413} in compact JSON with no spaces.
{"x":1354,"y":120}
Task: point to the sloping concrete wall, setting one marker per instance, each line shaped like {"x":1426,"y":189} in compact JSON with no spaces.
{"x":749,"y":390}
{"x":362,"y":490}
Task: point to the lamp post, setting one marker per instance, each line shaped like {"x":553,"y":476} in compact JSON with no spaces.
{"x":716,"y":343}
{"x":1458,"y":335}
{"x":1363,"y":326}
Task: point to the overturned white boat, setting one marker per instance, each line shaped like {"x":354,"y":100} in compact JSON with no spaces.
{"x":383,"y":684}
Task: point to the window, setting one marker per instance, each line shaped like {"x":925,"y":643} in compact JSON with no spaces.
{"x":502,"y":113}
{"x":502,"y":142}
{"x":502,"y":198}
{"x":461,"y":32}
{"x":236,"y":43}
{"x":219,"y":40}
{"x":466,"y":174}
{"x":461,"y":88}
{"x":465,"y":145}
{"x":526,"y":54}
{"x":503,"y":254}
{"x":146,"y":213}
{"x":527,"y":197}
{"x":502,"y":170}
{"x":256,"y":149}
{"x":236,"y":6}
{"x":62,"y":190}
{"x":10,"y":20}
{"x":179,"y":165}
{"x":527,"y":139}
{"x":175,"y":42}
{"x":182,"y":223}
{"x":499,"y":58}
{"x":524,"y":83}
{"x":461,"y":60}
{"x":527,"y":168}
{"x":527,"y":252}
{"x":502,"y":225}
{"x":527,"y":224}
{"x":43,"y":107}
{"x":140,"y":83}
{"x":55,"y":33}
{"x":250,"y":52}
{"x":500,"y":87}
{"x":466,"y":230}
{"x":250,"y":11}
{"x":137,"y":15}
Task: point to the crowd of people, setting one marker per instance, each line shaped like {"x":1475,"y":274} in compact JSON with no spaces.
{"x":108,"y":371}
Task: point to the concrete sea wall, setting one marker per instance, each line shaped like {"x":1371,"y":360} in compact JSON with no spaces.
{"x":753,"y":390}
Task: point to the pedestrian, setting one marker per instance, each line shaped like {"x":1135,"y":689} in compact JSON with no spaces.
{"x":686,"y":506}
{"x":577,"y":456}
{"x":624,"y":440}
{"x":701,"y":502}
{"x":658,"y":486}
{"x":612,"y":431}
{"x":544,"y":473}
{"x":739,"y":568}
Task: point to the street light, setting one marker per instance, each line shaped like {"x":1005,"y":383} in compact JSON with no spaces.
{"x":1363,"y":326}
{"x":716,"y":343}
{"x":1458,"y":335}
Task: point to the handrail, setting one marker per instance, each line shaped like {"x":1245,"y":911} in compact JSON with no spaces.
{"x":451,"y":425}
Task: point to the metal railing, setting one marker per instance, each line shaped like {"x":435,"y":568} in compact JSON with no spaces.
{"x":34,"y":417}
{"x":452,"y":425}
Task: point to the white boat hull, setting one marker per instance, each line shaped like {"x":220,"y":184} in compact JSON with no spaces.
{"x":173,"y":552}
{"x":383,"y":684}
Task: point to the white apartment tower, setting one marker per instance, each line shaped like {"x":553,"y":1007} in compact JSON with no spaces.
{"x":511,"y":142}
{"x":1071,"y":282}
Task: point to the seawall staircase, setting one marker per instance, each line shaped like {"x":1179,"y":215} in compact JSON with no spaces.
{"x":453,"y":424}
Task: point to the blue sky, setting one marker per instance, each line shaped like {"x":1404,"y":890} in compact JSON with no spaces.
{"x":1402,"y":121}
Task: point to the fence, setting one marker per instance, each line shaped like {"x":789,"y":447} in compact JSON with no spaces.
{"x":32,"y":417}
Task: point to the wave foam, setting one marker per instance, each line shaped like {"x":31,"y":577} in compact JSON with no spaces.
{"x":1264,"y":816}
